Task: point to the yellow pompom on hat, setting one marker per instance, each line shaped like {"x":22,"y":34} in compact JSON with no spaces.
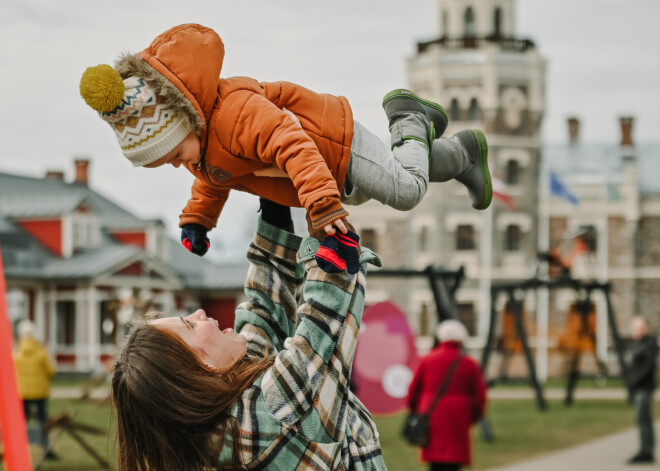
{"x":146,"y":126}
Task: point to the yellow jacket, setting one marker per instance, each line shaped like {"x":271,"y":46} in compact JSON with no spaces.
{"x":33,"y":368}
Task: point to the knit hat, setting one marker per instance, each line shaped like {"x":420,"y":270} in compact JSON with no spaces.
{"x":146,"y":126}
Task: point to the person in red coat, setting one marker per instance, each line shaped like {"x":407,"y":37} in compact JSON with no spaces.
{"x":462,"y":405}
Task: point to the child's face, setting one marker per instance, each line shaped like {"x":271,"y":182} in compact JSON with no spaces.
{"x":187,"y":152}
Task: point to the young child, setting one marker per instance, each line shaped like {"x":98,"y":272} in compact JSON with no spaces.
{"x":281,"y":141}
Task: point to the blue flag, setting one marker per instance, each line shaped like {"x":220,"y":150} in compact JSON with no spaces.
{"x":557,"y":188}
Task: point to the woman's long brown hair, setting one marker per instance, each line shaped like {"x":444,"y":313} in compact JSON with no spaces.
{"x":174,"y":411}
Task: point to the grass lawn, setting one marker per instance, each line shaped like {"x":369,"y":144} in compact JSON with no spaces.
{"x":521,"y":431}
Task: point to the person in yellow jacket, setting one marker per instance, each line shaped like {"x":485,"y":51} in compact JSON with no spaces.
{"x":35,"y":372}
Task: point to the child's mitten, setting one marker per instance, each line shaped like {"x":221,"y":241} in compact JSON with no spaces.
{"x":339,"y":251}
{"x":193,"y":237}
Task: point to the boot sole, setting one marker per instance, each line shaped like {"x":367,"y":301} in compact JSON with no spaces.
{"x":485,"y":171}
{"x":403,"y":93}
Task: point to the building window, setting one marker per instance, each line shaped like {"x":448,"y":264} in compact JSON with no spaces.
{"x":497,"y":22}
{"x":589,"y":237}
{"x":66,"y":322}
{"x":512,"y":238}
{"x":512,"y":172}
{"x":465,"y":237}
{"x":475,"y":113}
{"x":424,"y":239}
{"x":369,"y":239}
{"x":424,"y":320}
{"x":467,"y":316}
{"x":470,"y":30}
{"x":454,"y":110}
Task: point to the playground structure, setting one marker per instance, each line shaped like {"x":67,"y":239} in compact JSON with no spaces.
{"x":579,"y":337}
{"x":578,"y":340}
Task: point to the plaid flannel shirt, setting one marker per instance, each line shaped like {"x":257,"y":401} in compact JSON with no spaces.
{"x":300,"y":414}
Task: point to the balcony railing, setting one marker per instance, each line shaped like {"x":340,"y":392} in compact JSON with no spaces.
{"x":472,"y":42}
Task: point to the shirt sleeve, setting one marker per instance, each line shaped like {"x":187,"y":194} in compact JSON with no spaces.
{"x":311,"y":375}
{"x":273,"y":286}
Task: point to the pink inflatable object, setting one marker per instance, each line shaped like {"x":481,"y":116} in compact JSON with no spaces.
{"x":384,"y":360}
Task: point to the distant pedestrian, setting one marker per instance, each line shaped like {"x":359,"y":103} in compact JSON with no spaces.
{"x":35,"y":372}
{"x":463,"y":403}
{"x":642,"y":384}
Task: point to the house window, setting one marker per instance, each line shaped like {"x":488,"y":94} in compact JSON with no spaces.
{"x":85,"y":229}
{"x":497,"y":22}
{"x":369,"y":239}
{"x":465,"y":237}
{"x":470,"y":30}
{"x":467,"y":316}
{"x":474,"y":113}
{"x":424,"y":239}
{"x":108,"y":324}
{"x":454,"y":110}
{"x":65,"y":312}
{"x":512,"y":172}
{"x":512,"y":238}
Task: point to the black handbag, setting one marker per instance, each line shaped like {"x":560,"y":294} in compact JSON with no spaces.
{"x":416,"y":426}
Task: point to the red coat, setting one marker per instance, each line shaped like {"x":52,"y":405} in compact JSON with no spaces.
{"x":462,"y":405}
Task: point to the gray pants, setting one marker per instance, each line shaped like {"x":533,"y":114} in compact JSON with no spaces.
{"x":397,"y":178}
{"x":643,"y":401}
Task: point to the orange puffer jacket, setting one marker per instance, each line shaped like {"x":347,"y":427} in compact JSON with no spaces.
{"x":246,"y":131}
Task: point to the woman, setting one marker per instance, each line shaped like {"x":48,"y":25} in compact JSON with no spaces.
{"x":462,"y":404}
{"x":271,"y":394}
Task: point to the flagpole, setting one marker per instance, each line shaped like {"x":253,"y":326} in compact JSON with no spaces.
{"x":542,"y":294}
{"x":603,"y":261}
{"x":485,"y":280}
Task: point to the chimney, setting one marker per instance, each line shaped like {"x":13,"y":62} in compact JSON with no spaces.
{"x":573,"y":130}
{"x":626,"y":131}
{"x":54,"y":175}
{"x":82,"y":166}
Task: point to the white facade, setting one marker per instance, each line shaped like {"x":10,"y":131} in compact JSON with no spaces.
{"x":487,"y":79}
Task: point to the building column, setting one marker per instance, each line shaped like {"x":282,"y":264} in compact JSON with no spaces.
{"x":93,"y":318}
{"x":81,"y":343}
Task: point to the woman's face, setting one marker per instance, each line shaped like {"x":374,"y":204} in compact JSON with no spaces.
{"x":218,"y":349}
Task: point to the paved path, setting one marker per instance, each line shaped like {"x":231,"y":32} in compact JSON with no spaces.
{"x":605,"y":454}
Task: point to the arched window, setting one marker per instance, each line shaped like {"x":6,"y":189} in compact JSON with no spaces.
{"x":474,"y":114}
{"x":497,"y":22}
{"x":512,"y":172}
{"x":470,"y":30}
{"x":445,"y":23}
{"x":512,"y":238}
{"x":455,"y":111}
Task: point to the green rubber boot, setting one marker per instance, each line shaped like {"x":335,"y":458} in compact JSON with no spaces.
{"x":400,"y":103}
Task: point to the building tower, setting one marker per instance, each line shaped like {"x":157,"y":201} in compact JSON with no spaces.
{"x":488,"y":78}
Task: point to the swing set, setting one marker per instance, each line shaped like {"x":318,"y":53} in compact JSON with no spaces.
{"x":579,"y":337}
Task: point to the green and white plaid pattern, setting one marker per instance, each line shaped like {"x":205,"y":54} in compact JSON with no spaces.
{"x":300,"y":414}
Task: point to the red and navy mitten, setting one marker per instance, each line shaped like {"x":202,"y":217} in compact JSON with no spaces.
{"x":339,"y":251}
{"x":193,"y":237}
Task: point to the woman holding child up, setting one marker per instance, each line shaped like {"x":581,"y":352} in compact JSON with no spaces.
{"x":271,"y":394}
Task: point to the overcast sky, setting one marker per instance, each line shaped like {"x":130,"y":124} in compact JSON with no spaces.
{"x":603,"y":62}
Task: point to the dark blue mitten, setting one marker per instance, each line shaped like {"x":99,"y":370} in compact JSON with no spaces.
{"x":338,"y":252}
{"x":193,"y":237}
